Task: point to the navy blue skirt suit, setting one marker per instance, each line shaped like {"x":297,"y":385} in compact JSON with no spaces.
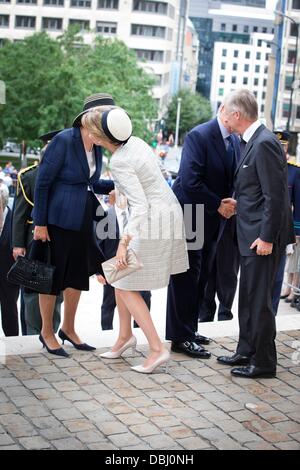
{"x":64,"y":204}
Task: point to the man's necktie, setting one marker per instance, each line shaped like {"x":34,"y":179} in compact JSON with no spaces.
{"x":231,"y":153}
{"x":243,"y":144}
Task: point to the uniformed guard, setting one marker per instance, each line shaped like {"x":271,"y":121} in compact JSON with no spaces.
{"x":22,"y":236}
{"x":291,"y":266}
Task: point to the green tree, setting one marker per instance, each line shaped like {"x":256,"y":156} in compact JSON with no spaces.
{"x":195,"y":109}
{"x":47,"y":89}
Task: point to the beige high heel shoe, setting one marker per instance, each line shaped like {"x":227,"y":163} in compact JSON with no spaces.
{"x":131,"y":343}
{"x":162,"y":359}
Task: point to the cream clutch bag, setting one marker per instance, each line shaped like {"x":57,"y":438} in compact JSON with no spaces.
{"x":112,"y":274}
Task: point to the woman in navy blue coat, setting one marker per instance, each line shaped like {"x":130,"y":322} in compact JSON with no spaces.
{"x":65,"y":206}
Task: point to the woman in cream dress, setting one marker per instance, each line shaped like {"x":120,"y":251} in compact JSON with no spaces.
{"x":155,"y":229}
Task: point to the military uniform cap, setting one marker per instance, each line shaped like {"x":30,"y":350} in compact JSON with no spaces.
{"x":48,"y":136}
{"x":283,"y":136}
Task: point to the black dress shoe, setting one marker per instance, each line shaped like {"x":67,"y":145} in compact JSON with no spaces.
{"x":199,"y":339}
{"x":81,"y":347}
{"x":252,"y":372}
{"x":190,"y":348}
{"x":295,"y":301}
{"x":284,"y":296}
{"x":56,"y":352}
{"x":235,"y":360}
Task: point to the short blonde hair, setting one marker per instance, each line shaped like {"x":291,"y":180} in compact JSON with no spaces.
{"x":91,"y":121}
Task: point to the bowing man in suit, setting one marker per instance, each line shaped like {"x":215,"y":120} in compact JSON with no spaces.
{"x":8,"y":292}
{"x":205,"y":178}
{"x":264,"y":228}
{"x":65,"y":205}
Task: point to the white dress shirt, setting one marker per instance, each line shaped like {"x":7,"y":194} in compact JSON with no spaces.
{"x":251,"y":130}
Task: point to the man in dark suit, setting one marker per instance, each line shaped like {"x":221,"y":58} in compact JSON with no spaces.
{"x":264,"y":228}
{"x":22,"y":236}
{"x":8,"y":292}
{"x":205,"y":178}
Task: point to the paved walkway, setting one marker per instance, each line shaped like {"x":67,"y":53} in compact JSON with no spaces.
{"x":88,"y":403}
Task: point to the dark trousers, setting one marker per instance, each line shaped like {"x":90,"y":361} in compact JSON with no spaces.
{"x":9,"y":294}
{"x":278,"y":284}
{"x":224,"y":260}
{"x":109,"y":304}
{"x":256,"y":317}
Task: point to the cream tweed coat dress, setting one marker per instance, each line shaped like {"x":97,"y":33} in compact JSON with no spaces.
{"x":155,"y":217}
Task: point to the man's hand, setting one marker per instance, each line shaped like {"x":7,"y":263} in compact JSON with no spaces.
{"x":19,"y":252}
{"x":227,"y":208}
{"x":262,"y":248}
{"x":41,"y":233}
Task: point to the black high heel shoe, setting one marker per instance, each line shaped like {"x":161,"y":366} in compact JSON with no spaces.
{"x":81,"y":347}
{"x":57,"y":352}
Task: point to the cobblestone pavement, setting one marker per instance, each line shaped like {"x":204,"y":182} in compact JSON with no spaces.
{"x":88,"y":403}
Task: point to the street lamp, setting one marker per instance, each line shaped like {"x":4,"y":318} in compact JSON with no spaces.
{"x":294,"y":65}
{"x":177,"y":122}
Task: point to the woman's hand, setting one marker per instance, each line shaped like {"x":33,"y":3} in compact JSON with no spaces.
{"x":112,"y":198}
{"x":121,"y":257}
{"x":101,"y":279}
{"x":41,"y":233}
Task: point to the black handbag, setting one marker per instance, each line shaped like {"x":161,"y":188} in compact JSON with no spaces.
{"x":31,"y":273}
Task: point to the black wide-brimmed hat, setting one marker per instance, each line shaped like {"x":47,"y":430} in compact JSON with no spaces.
{"x":45,"y":138}
{"x":99,"y":99}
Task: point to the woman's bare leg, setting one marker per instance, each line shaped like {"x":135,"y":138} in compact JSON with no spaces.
{"x":71,"y":300}
{"x":125,"y":331}
{"x":140,"y":312}
{"x":47,"y":303}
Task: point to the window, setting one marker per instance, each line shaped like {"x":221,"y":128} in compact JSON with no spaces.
{"x":4,"y":1}
{"x":262,"y":108}
{"x":234,"y":28}
{"x":264,"y":29}
{"x":266,"y":69}
{"x":235,"y":53}
{"x":29,"y":2}
{"x":294,"y":29}
{"x":255,"y":29}
{"x":56,"y":3}
{"x":146,"y":30}
{"x":256,"y":82}
{"x":224,"y":52}
{"x":267,"y":56}
{"x":298,"y":112}
{"x":258,"y":56}
{"x":152,"y":56}
{"x":26,"y":22}
{"x":263,"y":95}
{"x":233,"y":79}
{"x":255,"y":94}
{"x":288,"y":82}
{"x":234,"y":66}
{"x":221,"y":92}
{"x":108,"y":4}
{"x":106,"y":27}
{"x":246,"y":68}
{"x":257,"y":69}
{"x":80,"y":3}
{"x":4,"y":21}
{"x":291,"y":56}
{"x":265,"y":82}
{"x":52,"y":23}
{"x":246,"y":28}
{"x":84,"y":24}
{"x":223,"y":26}
{"x":223,"y":65}
{"x":296,"y":5}
{"x":222,"y":78}
{"x":245,"y":81}
{"x":247,"y":54}
{"x":150,"y":6}
{"x":259,"y":43}
{"x":285,"y":110}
